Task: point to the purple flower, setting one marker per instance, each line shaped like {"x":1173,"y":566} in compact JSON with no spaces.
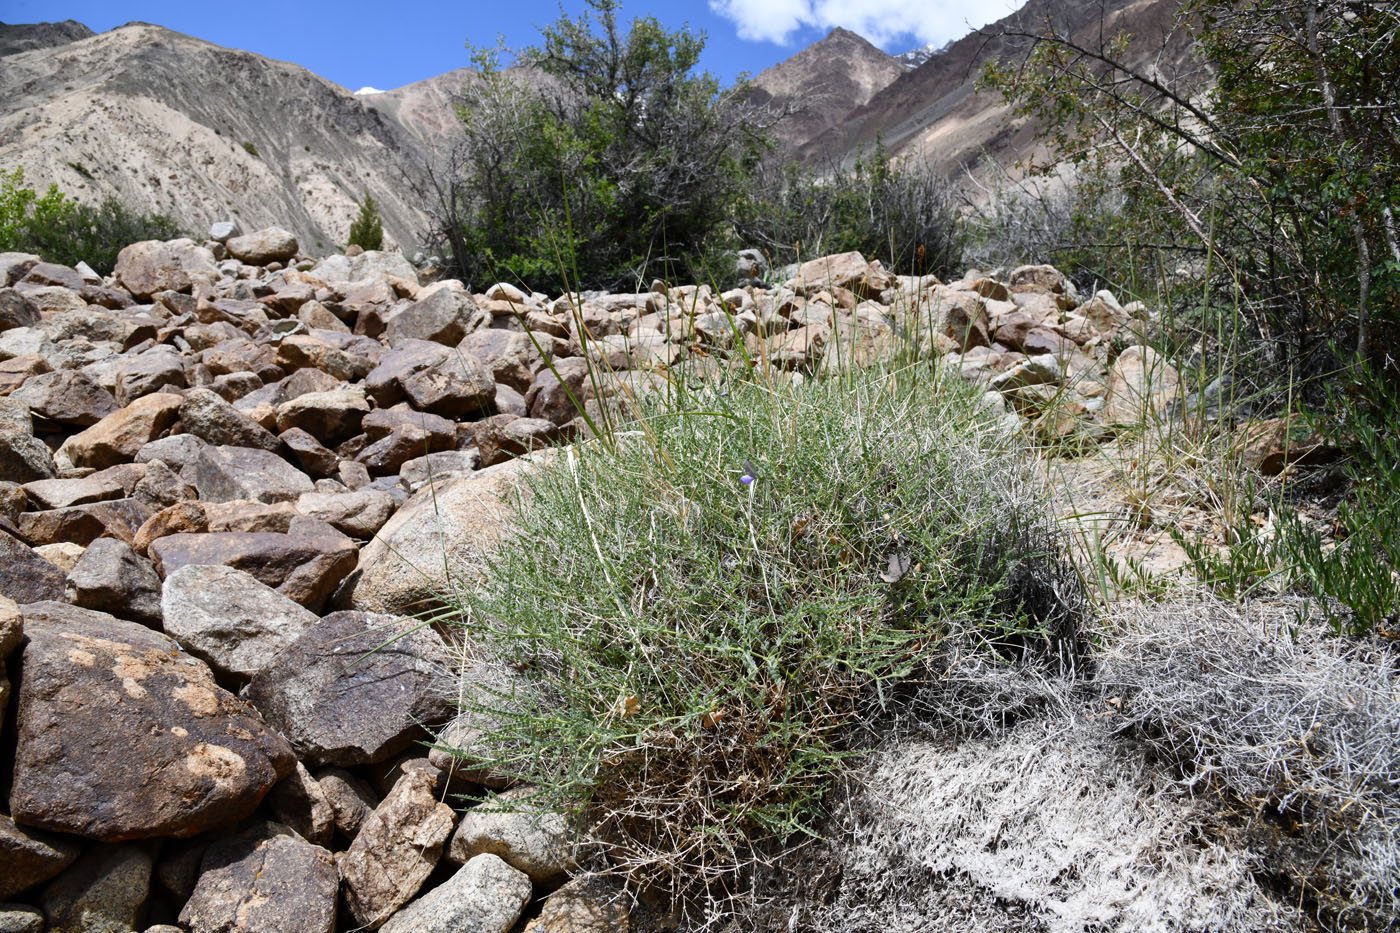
{"x":749,"y":474}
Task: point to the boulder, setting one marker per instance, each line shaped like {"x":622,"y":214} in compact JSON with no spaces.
{"x":330,"y":417}
{"x":23,"y":457}
{"x":1045,"y":280}
{"x":351,"y":799}
{"x":229,"y":620}
{"x":450,"y":525}
{"x":302,"y":806}
{"x":151,"y":370}
{"x":121,"y":735}
{"x":504,"y":437}
{"x":1140,"y":384}
{"x":457,"y":387}
{"x":225,"y":473}
{"x":529,"y":839}
{"x":105,"y":890}
{"x":117,"y":437}
{"x":177,"y":451}
{"x":25,"y":577}
{"x":302,"y":567}
{"x":485,"y":896}
{"x":68,"y":396}
{"x":31,"y":856}
{"x":266,"y":879}
{"x":309,"y":454}
{"x":16,"y":310}
{"x":151,"y":266}
{"x":510,"y":356}
{"x":206,"y":415}
{"x":443,"y":313}
{"x":589,"y":904}
{"x":110,"y":577}
{"x":271,"y":244}
{"x":359,"y":514}
{"x":116,"y":482}
{"x":354,"y":688}
{"x":384,"y":383}
{"x":396,"y":849}
{"x":83,"y":524}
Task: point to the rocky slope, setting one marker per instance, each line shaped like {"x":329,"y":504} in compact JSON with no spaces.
{"x":166,"y":122}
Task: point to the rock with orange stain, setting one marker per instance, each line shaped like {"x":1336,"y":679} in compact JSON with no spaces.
{"x":124,"y":736}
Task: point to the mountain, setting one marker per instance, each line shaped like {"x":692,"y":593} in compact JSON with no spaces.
{"x":823,"y":83}
{"x":167,"y":122}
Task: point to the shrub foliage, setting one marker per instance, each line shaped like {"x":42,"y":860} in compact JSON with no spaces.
{"x":367,"y":230}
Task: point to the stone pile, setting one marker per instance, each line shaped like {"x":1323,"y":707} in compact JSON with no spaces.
{"x":230,"y":475}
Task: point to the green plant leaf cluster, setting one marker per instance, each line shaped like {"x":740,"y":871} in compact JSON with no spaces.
{"x":367,"y":230}
{"x":64,"y":231}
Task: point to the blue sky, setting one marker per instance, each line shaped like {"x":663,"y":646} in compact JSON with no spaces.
{"x":386,"y":44}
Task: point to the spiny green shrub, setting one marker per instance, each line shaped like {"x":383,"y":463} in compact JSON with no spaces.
{"x":717,"y":605}
{"x":367,"y":231}
{"x":63,"y":231}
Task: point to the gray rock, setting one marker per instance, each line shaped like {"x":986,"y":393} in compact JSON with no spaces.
{"x":149,"y":371}
{"x":207,"y":416}
{"x":451,"y":525}
{"x":358,"y":514}
{"x":264,"y":880}
{"x":221,"y":231}
{"x":271,"y":244}
{"x":589,"y":904}
{"x":301,"y":805}
{"x":17,"y":310}
{"x":330,"y":417}
{"x":438,"y":467}
{"x":1035,"y":371}
{"x":25,"y":577}
{"x":304,"y":569}
{"x":30,"y":856}
{"x":177,"y":451}
{"x":456,"y":387}
{"x":20,"y":918}
{"x":113,"y":483}
{"x":110,"y":577}
{"x":228,"y":619}
{"x":151,"y":266}
{"x":23,"y":457}
{"x":443,"y":313}
{"x":105,"y":891}
{"x":225,"y":473}
{"x":485,"y":896}
{"x":68,"y":396}
{"x":355,"y":688}
{"x":510,"y":825}
{"x":123,"y":736}
{"x":396,"y":849}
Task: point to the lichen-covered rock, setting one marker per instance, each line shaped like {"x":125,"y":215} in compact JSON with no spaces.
{"x":123,"y":736}
{"x":533,"y":840}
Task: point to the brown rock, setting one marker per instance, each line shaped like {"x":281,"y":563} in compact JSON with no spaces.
{"x":124,"y":736}
{"x":330,"y":417}
{"x":457,"y":387}
{"x":358,"y":514}
{"x":510,"y":356}
{"x":117,"y":437}
{"x":112,"y":578}
{"x":504,"y":437}
{"x":23,"y":457}
{"x":207,"y":416}
{"x":384,"y":383}
{"x":1045,"y":280}
{"x":151,"y":266}
{"x":224,"y":473}
{"x":31,"y":856}
{"x":83,"y":524}
{"x":355,"y":688}
{"x":301,"y":568}
{"x":67,"y":396}
{"x":264,"y":880}
{"x":396,"y":849}
{"x":152,"y":370}
{"x":351,"y":799}
{"x":443,"y":313}
{"x":301,"y":805}
{"x":271,"y":244}
{"x":590,"y":904}
{"x":182,"y":517}
{"x":105,"y":890}
{"x":17,"y":310}
{"x":308,"y":453}
{"x":25,"y":577}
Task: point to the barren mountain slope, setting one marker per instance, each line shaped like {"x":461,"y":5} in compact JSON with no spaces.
{"x":27,"y":37}
{"x":424,"y":108}
{"x":935,"y":110}
{"x":825,"y":82}
{"x":160,"y":120}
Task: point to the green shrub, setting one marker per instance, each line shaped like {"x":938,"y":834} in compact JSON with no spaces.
{"x":64,"y":231}
{"x":901,"y":213}
{"x":719,"y":604}
{"x":367,"y":231}
{"x":252,"y":150}
{"x":609,"y":162}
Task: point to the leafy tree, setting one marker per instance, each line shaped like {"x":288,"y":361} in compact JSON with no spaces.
{"x":602,"y":159}
{"x":367,"y":231}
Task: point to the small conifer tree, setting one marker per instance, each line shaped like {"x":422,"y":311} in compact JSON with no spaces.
{"x":367,"y":232}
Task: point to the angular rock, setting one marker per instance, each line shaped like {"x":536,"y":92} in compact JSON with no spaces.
{"x":117,"y":437}
{"x":553,"y":400}
{"x":302,"y":568}
{"x":396,"y":849}
{"x":187,"y":517}
{"x":116,"y":482}
{"x":207,"y":416}
{"x":16,"y":310}
{"x":301,"y":805}
{"x":83,"y":524}
{"x":537,"y":842}
{"x":272,"y":244}
{"x":150,"y":371}
{"x":457,"y":387}
{"x":123,"y":736}
{"x":112,"y":578}
{"x":358,"y":514}
{"x":443,"y":313}
{"x":67,"y":396}
{"x":20,"y":918}
{"x":104,"y":891}
{"x":504,"y":437}
{"x":1034,"y":371}
{"x":330,"y":417}
{"x":177,"y":451}
{"x":266,"y":879}
{"x":438,"y":467}
{"x":511,"y":356}
{"x":1140,"y":384}
{"x":1045,"y":280}
{"x":355,"y":688}
{"x":151,"y":266}
{"x":224,"y":473}
{"x":23,"y":457}
{"x":229,"y":620}
{"x":590,"y":904}
{"x":485,"y":896}
{"x":25,"y":577}
{"x":454,"y":524}
{"x":308,"y":453}
{"x":31,"y":856}
{"x":384,"y":383}
{"x":351,"y":799}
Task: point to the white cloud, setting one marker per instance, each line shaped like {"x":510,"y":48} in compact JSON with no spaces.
{"x":915,"y":22}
